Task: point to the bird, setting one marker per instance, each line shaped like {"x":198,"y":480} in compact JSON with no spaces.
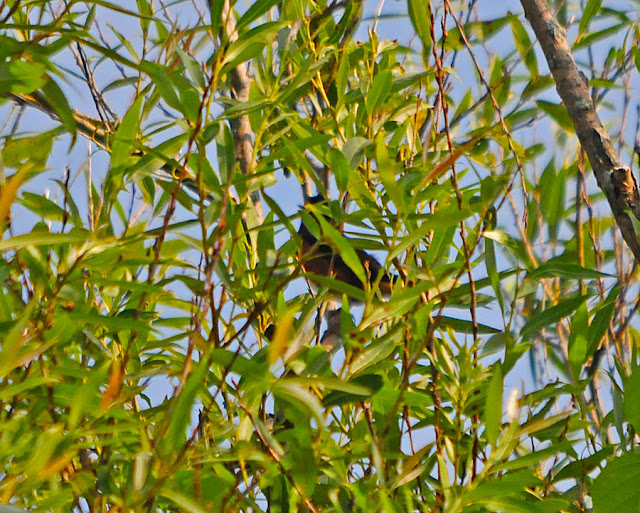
{"x":321,"y":259}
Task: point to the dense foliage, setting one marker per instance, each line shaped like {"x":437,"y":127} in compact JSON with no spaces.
{"x":160,"y":339}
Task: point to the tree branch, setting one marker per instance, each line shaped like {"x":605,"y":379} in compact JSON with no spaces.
{"x":614,"y":178}
{"x":240,"y":126}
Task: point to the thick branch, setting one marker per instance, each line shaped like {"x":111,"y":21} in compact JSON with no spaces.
{"x":87,"y":126}
{"x":240,"y":126}
{"x":615,"y":179}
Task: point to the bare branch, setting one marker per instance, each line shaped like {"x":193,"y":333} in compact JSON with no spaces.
{"x":614,"y":178}
{"x":241,"y":127}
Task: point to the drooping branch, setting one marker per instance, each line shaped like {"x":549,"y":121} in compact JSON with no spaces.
{"x":615,"y":179}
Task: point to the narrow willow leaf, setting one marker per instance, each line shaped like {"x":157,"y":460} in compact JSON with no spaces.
{"x":281,"y":337}
{"x":345,"y":250}
{"x":353,"y":149}
{"x":590,"y":10}
{"x":193,"y":67}
{"x":557,"y":112}
{"x":467,"y":326}
{"x":251,"y":43}
{"x":582,"y":467}
{"x":492,"y":414}
{"x":372,"y":382}
{"x":185,"y":503}
{"x":299,"y":395}
{"x":125,"y":136}
{"x":56,"y":98}
{"x":181,"y":415}
{"x":552,"y":315}
{"x":41,"y":206}
{"x":524,"y":46}
{"x":600,"y":323}
{"x":386,"y":170}
{"x":577,"y":350}
{"x":254,"y":11}
{"x":631,"y":405}
{"x":215,"y":9}
{"x":378,"y":91}
{"x":492,"y":269}
{"x":44,"y":239}
{"x":420,"y":19}
{"x":340,"y":167}
{"x":164,"y":85}
{"x":32,"y":150}
{"x":616,"y":489}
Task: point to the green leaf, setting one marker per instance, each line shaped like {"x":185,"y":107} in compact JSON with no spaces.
{"x":463,"y":325}
{"x":577,"y":350}
{"x":164,"y":85}
{"x":42,"y":206}
{"x":300,"y":396}
{"x":58,"y":101}
{"x":181,"y":415}
{"x":346,"y":252}
{"x":580,"y":468}
{"x":44,"y":239}
{"x":193,"y":67}
{"x":354,"y":148}
{"x":10,"y":353}
{"x":251,"y":44}
{"x":552,"y":186}
{"x":535,"y":457}
{"x":617,"y":488}
{"x":510,"y":484}
{"x":353,"y":387}
{"x":238,"y":109}
{"x":600,"y":323}
{"x":125,"y":137}
{"x":379,"y":90}
{"x":156,"y":157}
{"x":370,"y":382}
{"x":524,"y":46}
{"x":555,"y":268}
{"x":421,"y":21}
{"x":378,"y":351}
{"x":558,"y":112}
{"x":340,"y":167}
{"x":33,"y":151}
{"x":191,"y":103}
{"x":517,"y":505}
{"x":13,"y":390}
{"x":226,"y":153}
{"x":536,"y":86}
{"x":215,"y":9}
{"x":122,"y":322}
{"x":386,"y":170}
{"x":21,"y":77}
{"x":184,"y":503}
{"x":618,"y":411}
{"x":254,"y":11}
{"x":552,"y":315}
{"x":590,"y":10}
{"x":492,"y":414}
{"x":492,"y":268}
{"x":631,"y":405}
